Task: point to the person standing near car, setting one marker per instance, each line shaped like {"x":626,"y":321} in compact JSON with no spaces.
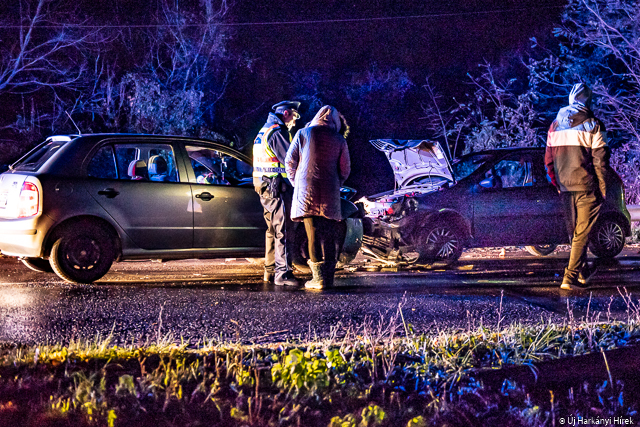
{"x":577,"y":158}
{"x":270,"y":181}
{"x":318,"y":164}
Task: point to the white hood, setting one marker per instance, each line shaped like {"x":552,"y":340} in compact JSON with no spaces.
{"x":412,"y":159}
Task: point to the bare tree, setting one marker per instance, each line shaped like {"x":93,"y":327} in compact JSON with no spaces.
{"x":181,"y":76}
{"x":600,"y":45}
{"x":493,"y":114}
{"x":441,"y":120}
{"x":37,"y":51}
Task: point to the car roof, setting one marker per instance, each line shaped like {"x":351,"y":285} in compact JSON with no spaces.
{"x":498,"y":151}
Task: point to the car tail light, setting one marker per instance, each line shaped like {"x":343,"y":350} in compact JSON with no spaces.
{"x":29,"y":204}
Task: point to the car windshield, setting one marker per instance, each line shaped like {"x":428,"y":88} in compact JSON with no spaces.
{"x":468,"y":164}
{"x":39,"y":155}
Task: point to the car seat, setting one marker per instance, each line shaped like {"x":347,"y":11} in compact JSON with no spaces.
{"x":137,"y":170}
{"x":158,"y":169}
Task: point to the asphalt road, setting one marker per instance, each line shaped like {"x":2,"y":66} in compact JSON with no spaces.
{"x":225,"y":300}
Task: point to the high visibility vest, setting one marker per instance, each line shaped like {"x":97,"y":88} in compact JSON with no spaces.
{"x":265,"y":162}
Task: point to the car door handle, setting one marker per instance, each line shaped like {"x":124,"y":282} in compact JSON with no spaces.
{"x":109,"y":192}
{"x":206,"y":196}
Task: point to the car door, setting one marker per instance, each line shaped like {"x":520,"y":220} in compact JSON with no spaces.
{"x":227,"y":212}
{"x":513,"y":205}
{"x":154,"y":212}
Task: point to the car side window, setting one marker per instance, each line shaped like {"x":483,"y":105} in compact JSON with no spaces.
{"x":103,"y":164}
{"x":146,"y":162}
{"x":516,"y":172}
{"x":214,"y":167}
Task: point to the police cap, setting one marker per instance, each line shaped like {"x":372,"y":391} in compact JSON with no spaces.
{"x":287,"y":104}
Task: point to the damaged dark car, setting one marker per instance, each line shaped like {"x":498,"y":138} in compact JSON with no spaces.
{"x":492,"y":198}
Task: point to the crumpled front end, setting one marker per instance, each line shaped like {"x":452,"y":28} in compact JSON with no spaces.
{"x":393,"y":234}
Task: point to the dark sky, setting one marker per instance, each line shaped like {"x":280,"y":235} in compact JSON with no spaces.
{"x":458,"y":34}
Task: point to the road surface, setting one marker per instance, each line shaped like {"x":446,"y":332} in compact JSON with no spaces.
{"x":225,"y":300}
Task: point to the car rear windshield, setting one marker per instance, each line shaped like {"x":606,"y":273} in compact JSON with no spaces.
{"x":36,"y":157}
{"x":467,"y":165}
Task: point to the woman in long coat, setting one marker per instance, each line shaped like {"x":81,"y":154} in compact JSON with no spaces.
{"x":318,"y":164}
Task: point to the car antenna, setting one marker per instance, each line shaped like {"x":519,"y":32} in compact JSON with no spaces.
{"x":74,"y":123}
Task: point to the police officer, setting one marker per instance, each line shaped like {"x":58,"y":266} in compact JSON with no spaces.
{"x":271,"y":183}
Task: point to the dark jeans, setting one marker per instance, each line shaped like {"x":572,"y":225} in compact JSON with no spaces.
{"x":323,"y":235}
{"x":581,"y":210}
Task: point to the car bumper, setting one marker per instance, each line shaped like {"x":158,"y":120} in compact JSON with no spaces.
{"x":353,"y":239}
{"x":634,"y":212}
{"x":23,"y":237}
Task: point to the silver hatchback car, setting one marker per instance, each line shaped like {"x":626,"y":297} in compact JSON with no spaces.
{"x":75,"y":204}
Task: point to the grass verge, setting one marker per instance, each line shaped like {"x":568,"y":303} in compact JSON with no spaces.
{"x":384,"y":374}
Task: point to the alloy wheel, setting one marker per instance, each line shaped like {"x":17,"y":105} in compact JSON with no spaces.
{"x":610,"y":236}
{"x":445,"y":240}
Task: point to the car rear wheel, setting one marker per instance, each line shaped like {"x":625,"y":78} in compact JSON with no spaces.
{"x":38,"y":264}
{"x":83,"y":254}
{"x":541,"y":250}
{"x":441,"y":242}
{"x":607,"y":238}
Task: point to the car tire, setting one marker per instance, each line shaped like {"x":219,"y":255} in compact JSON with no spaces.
{"x":83,"y":254}
{"x":607,"y":238}
{"x":38,"y":264}
{"x":440,"y":243}
{"x":541,"y":250}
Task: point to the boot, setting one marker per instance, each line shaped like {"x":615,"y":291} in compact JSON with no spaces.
{"x":328,"y":273}
{"x":587,"y":273}
{"x":316,"y":281}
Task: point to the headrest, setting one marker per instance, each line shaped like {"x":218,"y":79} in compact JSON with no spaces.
{"x":137,"y":168}
{"x":157,"y":165}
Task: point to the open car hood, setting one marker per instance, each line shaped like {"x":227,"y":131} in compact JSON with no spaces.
{"x":414,"y":159}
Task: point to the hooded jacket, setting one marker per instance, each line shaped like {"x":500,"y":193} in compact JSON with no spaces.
{"x":577,"y":155}
{"x":318,"y":164}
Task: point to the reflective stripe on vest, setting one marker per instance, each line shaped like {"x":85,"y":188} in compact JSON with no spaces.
{"x":265,"y":162}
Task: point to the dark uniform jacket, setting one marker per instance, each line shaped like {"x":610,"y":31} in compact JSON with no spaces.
{"x":577,"y":155}
{"x":278,"y":141}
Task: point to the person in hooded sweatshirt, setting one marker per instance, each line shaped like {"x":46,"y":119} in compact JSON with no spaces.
{"x":577,"y":158}
{"x":318,"y":164}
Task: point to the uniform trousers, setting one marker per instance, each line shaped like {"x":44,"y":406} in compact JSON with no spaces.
{"x":280,"y":234}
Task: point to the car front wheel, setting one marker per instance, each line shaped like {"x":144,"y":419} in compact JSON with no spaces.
{"x":607,"y":238}
{"x":83,"y":254}
{"x":38,"y":264}
{"x":440,"y":243}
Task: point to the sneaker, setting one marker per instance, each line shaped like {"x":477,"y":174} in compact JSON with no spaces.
{"x":570,"y":285}
{"x":586,"y":275}
{"x":287,"y":279}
